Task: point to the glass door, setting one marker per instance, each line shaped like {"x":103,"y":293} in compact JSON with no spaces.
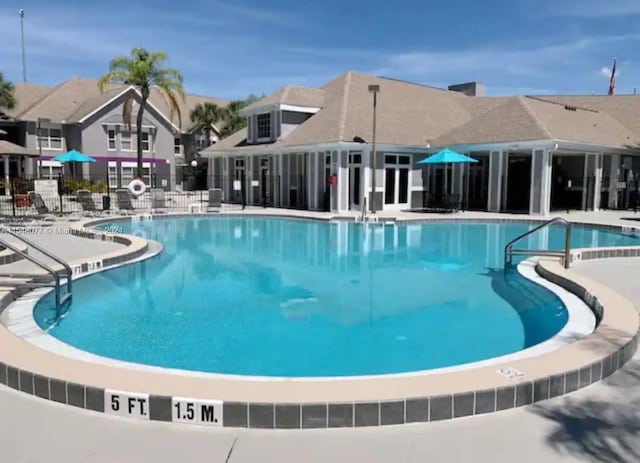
{"x":355,"y":181}
{"x":396,"y":181}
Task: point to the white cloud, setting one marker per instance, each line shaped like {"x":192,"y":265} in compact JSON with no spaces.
{"x":586,"y":8}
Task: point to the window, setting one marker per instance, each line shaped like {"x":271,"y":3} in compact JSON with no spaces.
{"x":177,"y":145}
{"x":111,"y":135}
{"x":264,"y":126}
{"x":128,"y":171}
{"x":239,"y":169}
{"x":146,"y":141}
{"x":125,"y":141}
{"x":50,"y":170}
{"x":50,"y":138}
{"x":201,"y":141}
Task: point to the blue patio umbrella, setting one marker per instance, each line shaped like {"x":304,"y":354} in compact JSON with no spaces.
{"x":73,"y":156}
{"x":447,"y":156}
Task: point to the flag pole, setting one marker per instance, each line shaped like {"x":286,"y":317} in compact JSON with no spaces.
{"x":24,"y":61}
{"x":612,"y":79}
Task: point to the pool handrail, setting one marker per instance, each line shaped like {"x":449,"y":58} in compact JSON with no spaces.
{"x":509,"y":252}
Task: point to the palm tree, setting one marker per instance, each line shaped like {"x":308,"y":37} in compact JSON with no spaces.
{"x":205,"y":115}
{"x":7,"y":98}
{"x":233,"y":120}
{"x":145,"y":70}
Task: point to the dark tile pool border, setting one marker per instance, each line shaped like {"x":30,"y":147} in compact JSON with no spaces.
{"x":346,"y":414}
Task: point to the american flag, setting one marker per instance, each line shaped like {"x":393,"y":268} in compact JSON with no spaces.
{"x":612,"y":80}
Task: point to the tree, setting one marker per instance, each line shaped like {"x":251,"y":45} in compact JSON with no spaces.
{"x":205,"y":115}
{"x":7,"y":97}
{"x":233,"y":120}
{"x":145,"y":70}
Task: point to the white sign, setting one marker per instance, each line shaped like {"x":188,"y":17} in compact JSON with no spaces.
{"x":163,"y":182}
{"x":237,"y":185}
{"x":208,"y":413}
{"x":126,"y":404}
{"x":255,"y":182}
{"x":46,"y":187}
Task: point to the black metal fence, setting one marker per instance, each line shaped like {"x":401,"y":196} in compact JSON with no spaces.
{"x":60,"y":196}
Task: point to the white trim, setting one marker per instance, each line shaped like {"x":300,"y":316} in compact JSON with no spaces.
{"x":133,"y":126}
{"x":298,"y":109}
{"x":104,"y":105}
{"x":119,"y":95}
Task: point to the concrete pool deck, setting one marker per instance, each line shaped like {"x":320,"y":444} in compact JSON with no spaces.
{"x":390,"y":444}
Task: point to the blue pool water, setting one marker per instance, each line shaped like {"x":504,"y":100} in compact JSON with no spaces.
{"x":278,"y":297}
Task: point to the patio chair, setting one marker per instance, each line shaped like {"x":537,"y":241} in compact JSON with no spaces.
{"x":215,"y":199}
{"x":38,"y":203}
{"x":43,"y":212}
{"x":123,"y":198}
{"x":86,"y":202}
{"x":158,"y":200}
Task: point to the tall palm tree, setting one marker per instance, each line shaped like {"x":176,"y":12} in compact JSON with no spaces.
{"x":145,"y":70}
{"x":7,"y":97}
{"x":205,"y":115}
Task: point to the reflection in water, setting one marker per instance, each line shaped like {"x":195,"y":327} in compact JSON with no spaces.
{"x":285,"y":297}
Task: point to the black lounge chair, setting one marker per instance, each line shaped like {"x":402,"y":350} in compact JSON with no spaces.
{"x":123,"y":198}
{"x":215,"y":199}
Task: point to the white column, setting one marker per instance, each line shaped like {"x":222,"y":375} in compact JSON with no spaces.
{"x":248,"y":177}
{"x":309,"y":180}
{"x":365,"y":178}
{"x":597,"y":184}
{"x":540,"y":192}
{"x":589,"y":193}
{"x":7,"y":180}
{"x":343,"y":181}
{"x":494,"y":201}
{"x":614,"y":175}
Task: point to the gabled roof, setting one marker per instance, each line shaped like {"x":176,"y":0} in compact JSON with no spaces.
{"x":529,"y":118}
{"x":512,"y":120}
{"x":291,"y":95}
{"x":76,"y":98}
{"x":408,"y":113}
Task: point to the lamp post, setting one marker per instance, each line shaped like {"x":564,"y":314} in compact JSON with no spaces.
{"x":24,"y":61}
{"x":194,"y":164}
{"x":373,"y":89}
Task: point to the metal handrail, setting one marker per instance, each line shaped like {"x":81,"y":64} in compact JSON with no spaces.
{"x":39,"y":263}
{"x":566,"y":253}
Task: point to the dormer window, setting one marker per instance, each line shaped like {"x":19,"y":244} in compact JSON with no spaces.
{"x":264,"y":126}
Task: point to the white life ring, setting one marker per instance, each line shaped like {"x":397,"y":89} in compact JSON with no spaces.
{"x":136,"y":187}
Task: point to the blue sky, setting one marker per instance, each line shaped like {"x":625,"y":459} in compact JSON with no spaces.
{"x":236,"y":47}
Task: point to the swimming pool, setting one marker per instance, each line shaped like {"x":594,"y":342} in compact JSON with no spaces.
{"x":297,"y":298}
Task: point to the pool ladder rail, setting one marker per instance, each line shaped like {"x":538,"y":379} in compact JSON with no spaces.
{"x":59,"y":279}
{"x":565,"y":254}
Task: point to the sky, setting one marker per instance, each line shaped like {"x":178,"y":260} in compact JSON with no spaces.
{"x":234,"y":48}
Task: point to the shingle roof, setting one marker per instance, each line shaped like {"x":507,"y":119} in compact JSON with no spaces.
{"x":293,"y":95}
{"x":26,"y":96}
{"x":237,"y":142}
{"x":8,"y":148}
{"x":529,"y":118}
{"x":408,"y":113}
{"x":76,"y":98}
{"x":413,"y":115}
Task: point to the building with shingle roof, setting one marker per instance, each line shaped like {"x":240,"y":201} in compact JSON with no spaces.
{"x":76,"y":115}
{"x":312,"y":148}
